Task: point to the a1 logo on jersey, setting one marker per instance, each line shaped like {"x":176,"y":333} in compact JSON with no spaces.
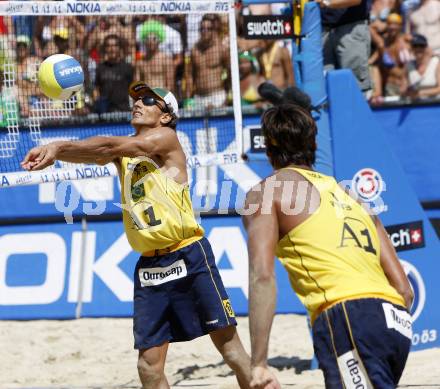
{"x":406,"y":236}
{"x":368,"y":184}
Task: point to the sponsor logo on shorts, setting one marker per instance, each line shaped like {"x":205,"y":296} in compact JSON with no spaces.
{"x":353,"y":372}
{"x":159,"y":275}
{"x":212,"y":322}
{"x":407,"y":236}
{"x":228,"y":308}
{"x":368,"y":184}
{"x":398,"y":319}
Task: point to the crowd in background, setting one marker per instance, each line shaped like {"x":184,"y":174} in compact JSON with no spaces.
{"x":392,"y":46}
{"x":188,"y":55}
{"x":405,"y":60}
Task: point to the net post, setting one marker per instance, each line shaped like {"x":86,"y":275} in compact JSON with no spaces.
{"x":235,"y":81}
{"x":78,"y":309}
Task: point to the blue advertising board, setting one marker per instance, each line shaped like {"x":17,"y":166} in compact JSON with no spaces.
{"x":40,"y":267}
{"x":413,"y":134}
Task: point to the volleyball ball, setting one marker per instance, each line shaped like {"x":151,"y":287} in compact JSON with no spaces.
{"x":60,"y":76}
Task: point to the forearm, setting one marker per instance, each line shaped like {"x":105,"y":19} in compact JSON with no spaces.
{"x":262,"y":302}
{"x":92,"y":150}
{"x":343,"y":3}
{"x":392,"y":267}
{"x":429,"y":92}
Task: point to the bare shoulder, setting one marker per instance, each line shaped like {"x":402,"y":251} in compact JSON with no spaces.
{"x":162,"y":133}
{"x":255,"y":195}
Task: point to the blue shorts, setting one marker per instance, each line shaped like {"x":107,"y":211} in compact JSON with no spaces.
{"x":362,"y":343}
{"x":179,"y":296}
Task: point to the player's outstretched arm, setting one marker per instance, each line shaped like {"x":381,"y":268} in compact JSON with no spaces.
{"x":100,"y":149}
{"x":261,"y":223}
{"x":392,"y":267}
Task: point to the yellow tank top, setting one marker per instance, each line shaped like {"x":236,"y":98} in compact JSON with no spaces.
{"x":158,"y":212}
{"x":334,"y":255}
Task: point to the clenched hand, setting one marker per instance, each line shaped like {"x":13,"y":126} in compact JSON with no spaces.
{"x":263,"y":378}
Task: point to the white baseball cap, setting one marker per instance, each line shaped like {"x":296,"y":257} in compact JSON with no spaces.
{"x":139,"y":89}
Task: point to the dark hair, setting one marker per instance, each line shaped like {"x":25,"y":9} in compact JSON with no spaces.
{"x":419,"y":40}
{"x":214,"y":19}
{"x":173,"y":122}
{"x":115,"y":37}
{"x":289,"y":133}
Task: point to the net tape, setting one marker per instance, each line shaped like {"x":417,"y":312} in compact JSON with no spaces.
{"x":112,"y":7}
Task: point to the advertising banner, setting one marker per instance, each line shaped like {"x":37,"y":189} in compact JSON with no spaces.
{"x":54,"y":270}
{"x":268,"y":26}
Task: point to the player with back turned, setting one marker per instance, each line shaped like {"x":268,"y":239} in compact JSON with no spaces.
{"x":339,"y":259}
{"x":178,"y":292}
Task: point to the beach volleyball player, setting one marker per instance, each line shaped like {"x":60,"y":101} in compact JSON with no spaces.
{"x":339,"y":259}
{"x":178,"y":292}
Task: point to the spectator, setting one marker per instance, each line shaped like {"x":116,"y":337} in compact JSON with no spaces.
{"x":393,"y":58}
{"x":209,"y":68}
{"x":425,"y":20}
{"x":27,"y":66}
{"x":46,"y":27}
{"x":346,"y":37}
{"x":276,"y":64}
{"x":423,"y":71}
{"x":171,"y":43}
{"x":250,"y":78}
{"x":156,"y":68}
{"x":380,"y":9}
{"x":113,"y":76}
{"x":61,"y":44}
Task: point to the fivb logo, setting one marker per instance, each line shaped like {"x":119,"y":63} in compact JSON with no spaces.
{"x":368,"y":184}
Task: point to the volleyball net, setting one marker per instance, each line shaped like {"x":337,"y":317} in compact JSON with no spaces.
{"x":188,"y":47}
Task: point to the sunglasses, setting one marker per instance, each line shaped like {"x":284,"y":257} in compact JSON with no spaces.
{"x":150,"y":101}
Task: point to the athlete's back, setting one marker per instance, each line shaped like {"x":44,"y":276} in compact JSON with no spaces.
{"x":339,"y":259}
{"x":330,"y":247}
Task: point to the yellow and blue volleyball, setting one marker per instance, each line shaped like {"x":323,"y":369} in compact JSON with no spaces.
{"x":60,"y":76}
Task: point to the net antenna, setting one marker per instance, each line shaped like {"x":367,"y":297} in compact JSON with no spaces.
{"x":207,"y":141}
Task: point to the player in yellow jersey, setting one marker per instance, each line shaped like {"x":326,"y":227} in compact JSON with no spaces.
{"x":178,"y":292}
{"x":339,"y":259}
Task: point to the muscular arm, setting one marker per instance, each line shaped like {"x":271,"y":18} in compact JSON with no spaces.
{"x":287,"y":67}
{"x":99,"y":149}
{"x":391,"y":265}
{"x":262,"y":232}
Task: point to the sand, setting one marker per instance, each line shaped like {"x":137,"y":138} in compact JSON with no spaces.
{"x":98,"y":353}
